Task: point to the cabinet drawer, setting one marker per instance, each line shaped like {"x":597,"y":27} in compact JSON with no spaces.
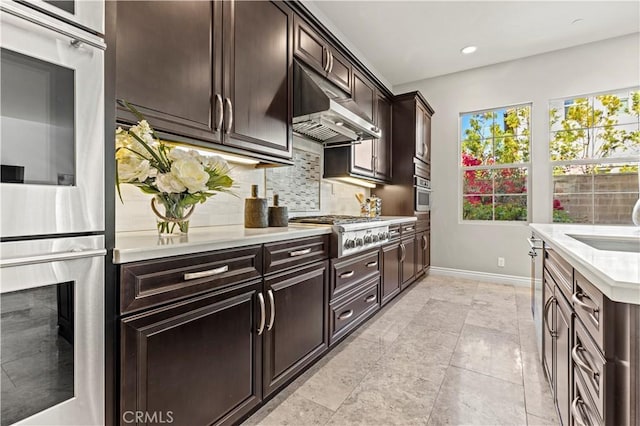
{"x":151,"y":283}
{"x":589,"y":363}
{"x":560,"y":271}
{"x":288,"y":254}
{"x":588,"y":304}
{"x":347,"y":315}
{"x":408,"y":228}
{"x":583,"y":411}
{"x":394,"y":231}
{"x":347,"y":274}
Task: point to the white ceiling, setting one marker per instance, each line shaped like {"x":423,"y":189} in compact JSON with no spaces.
{"x":411,"y":40}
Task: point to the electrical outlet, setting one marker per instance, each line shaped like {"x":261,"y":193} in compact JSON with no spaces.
{"x":501,"y":262}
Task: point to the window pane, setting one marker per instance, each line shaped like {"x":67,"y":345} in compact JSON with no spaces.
{"x":477,"y":182}
{"x":510,"y":181}
{"x":573,"y":194}
{"x":477,"y":208}
{"x":616,"y":141}
{"x":571,"y":114}
{"x":511,"y":149}
{"x":511,"y":207}
{"x":517,"y":119}
{"x":570,"y":145}
{"x":621,"y":107}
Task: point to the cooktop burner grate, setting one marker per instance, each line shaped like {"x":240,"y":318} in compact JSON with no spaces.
{"x":332,"y":219}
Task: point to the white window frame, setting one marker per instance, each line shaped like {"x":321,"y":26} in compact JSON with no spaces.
{"x":588,"y":161}
{"x":523,"y":165}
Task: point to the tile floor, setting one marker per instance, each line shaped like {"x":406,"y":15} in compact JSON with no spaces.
{"x":447,"y":351}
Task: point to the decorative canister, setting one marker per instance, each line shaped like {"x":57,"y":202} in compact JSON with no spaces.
{"x":278,"y":215}
{"x":256,"y":213}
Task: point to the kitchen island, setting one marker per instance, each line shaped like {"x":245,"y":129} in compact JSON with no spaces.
{"x":591,"y":321}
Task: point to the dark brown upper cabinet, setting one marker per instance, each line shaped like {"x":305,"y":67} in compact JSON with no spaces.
{"x":364,"y":94}
{"x":216,"y":71}
{"x":258,"y":76}
{"x":167,"y":65}
{"x":317,"y":53}
{"x":370,"y":158}
{"x":382,"y":147}
{"x":412,"y":126}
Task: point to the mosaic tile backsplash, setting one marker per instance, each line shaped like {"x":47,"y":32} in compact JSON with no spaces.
{"x":297,"y":186}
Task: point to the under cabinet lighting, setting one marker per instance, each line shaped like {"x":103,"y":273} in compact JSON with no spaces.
{"x":236,"y":159}
{"x":355,"y":181}
{"x":468,"y":49}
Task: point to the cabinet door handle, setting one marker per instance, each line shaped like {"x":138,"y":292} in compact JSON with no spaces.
{"x":347,"y":274}
{"x":545,"y":314}
{"x":263,"y":315}
{"x":209,"y":273}
{"x":346,"y":314}
{"x":330,"y":61}
{"x":425,"y":151}
{"x":272,"y":316}
{"x":325,"y":52}
{"x":371,"y":298}
{"x":577,"y":299}
{"x":372,"y":264}
{"x":403,"y":251}
{"x":230,"y":121}
{"x":582,"y":363}
{"x":577,"y":415}
{"x":219,"y":112}
{"x":424,"y":242}
{"x":300,"y":252}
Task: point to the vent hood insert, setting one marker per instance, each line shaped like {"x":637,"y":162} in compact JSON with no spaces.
{"x":324,"y":113}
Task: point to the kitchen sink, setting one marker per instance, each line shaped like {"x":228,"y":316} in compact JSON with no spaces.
{"x":626,"y":244}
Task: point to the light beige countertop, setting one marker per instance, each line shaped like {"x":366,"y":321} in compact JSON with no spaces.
{"x":144,"y":245}
{"x":615,"y":273}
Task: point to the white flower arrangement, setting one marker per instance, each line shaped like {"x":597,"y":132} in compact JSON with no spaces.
{"x":178,"y":178}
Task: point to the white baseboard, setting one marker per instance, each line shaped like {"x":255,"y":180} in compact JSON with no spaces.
{"x":482,"y":276}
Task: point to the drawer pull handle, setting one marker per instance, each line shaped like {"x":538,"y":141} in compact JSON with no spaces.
{"x":209,"y":273}
{"x":372,"y":264}
{"x":577,"y":414}
{"x":371,"y":298}
{"x":347,"y":274}
{"x":263,"y":315}
{"x":410,"y":228}
{"x":346,"y":314}
{"x":300,"y":252}
{"x":580,"y":361}
{"x":272,"y":316}
{"x":545,"y":314}
{"x":577,"y":299}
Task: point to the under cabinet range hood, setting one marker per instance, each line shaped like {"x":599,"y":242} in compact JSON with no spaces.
{"x":323,"y":113}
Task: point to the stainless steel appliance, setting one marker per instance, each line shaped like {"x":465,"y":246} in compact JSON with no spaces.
{"x":52,"y":261}
{"x":422,"y":189}
{"x":535,"y":245}
{"x":52,"y":328}
{"x":87,"y":14}
{"x":324,"y":113}
{"x":351,"y":234}
{"x":51,"y":125}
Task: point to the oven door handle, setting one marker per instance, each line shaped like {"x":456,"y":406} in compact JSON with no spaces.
{"x":52,"y":257}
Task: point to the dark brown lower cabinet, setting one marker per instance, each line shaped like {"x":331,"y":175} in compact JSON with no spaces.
{"x":423,"y":252}
{"x":564,"y":318}
{"x":198,"y":361}
{"x":296,"y":331}
{"x":407,"y":260}
{"x":390,"y":286}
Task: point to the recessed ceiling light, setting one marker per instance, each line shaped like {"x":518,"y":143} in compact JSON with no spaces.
{"x":469,"y":49}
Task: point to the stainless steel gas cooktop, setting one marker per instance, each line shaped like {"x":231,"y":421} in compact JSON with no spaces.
{"x":351,"y":234}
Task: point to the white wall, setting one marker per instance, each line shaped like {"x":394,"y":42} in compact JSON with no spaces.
{"x":224,"y":209}
{"x":595,"y":67}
